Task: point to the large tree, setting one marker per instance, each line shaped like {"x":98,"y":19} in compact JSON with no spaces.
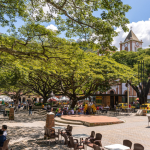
{"x":131,"y":59}
{"x":84,"y":73}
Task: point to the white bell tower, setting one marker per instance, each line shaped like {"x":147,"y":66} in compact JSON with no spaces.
{"x":131,"y":43}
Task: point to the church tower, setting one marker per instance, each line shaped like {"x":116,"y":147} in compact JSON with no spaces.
{"x":131,"y":43}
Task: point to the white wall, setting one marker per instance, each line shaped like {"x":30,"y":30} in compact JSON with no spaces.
{"x":123,"y":87}
{"x":114,"y":88}
{"x":133,"y":47}
{"x":128,"y":46}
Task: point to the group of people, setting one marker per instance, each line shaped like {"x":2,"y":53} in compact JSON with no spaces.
{"x":3,"y":135}
{"x":47,"y":108}
{"x":66,"y":111}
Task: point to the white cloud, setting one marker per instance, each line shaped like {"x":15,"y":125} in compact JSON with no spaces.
{"x":52,"y":27}
{"x":141,"y":30}
{"x":48,"y":9}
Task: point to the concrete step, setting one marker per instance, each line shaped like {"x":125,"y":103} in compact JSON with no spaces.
{"x":57,"y":119}
{"x":41,"y":112}
{"x":63,"y":124}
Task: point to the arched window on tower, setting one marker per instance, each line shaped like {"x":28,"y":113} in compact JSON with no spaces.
{"x":126,"y":49}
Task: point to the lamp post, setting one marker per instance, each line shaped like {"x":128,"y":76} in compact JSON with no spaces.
{"x":128,"y":95}
{"x":141,"y":65}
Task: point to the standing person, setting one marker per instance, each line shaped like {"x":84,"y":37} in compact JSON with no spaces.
{"x":30,"y":109}
{"x":129,"y":105}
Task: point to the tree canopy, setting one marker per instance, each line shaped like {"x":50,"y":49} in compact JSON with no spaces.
{"x":77,"y":77}
{"x":76,"y":18}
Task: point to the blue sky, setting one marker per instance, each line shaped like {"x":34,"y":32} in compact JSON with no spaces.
{"x":140,"y":10}
{"x":138,"y":16}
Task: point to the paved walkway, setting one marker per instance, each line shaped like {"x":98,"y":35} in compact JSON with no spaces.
{"x":28,"y":133}
{"x":135,"y":129}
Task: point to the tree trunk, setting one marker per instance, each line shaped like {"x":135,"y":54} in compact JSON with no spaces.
{"x":74,"y":102}
{"x":17,"y":99}
{"x":140,"y":100}
{"x":145,"y":99}
{"x":45,"y":99}
{"x":89,"y":99}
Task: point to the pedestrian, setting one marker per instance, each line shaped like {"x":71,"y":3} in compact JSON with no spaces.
{"x":129,"y":105}
{"x":30,"y":109}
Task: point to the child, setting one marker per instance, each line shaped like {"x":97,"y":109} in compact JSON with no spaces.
{"x":4,"y":128}
{"x":2,"y":138}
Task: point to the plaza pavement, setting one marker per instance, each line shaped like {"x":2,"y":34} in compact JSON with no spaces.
{"x":26,"y":133}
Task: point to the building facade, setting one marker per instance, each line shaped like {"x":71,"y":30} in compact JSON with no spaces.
{"x":118,"y":93}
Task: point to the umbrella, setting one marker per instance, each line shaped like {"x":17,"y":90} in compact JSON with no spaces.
{"x":64,"y":98}
{"x":52,"y":100}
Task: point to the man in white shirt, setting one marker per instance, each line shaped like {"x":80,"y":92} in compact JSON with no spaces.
{"x":4,"y":128}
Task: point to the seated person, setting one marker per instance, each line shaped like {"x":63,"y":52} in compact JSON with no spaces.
{"x":2,"y":138}
{"x":19,"y":106}
{"x":4,"y":129}
{"x":65,"y":111}
{"x":42,"y":106}
{"x":45,"y":108}
{"x":59,"y":113}
{"x":48,"y":108}
{"x":79,"y":111}
{"x":72,"y":111}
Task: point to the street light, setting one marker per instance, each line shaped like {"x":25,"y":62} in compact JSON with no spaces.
{"x":128,"y":94}
{"x":142,"y":76}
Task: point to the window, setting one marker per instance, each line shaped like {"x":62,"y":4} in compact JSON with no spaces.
{"x":126,"y":49}
{"x":135,"y":49}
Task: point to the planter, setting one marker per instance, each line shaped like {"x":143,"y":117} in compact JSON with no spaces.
{"x":144,"y":112}
{"x":37,"y":107}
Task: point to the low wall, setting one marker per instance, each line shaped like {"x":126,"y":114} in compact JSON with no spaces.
{"x":37,"y":107}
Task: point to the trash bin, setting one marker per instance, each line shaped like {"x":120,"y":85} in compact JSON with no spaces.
{"x":144,"y":112}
